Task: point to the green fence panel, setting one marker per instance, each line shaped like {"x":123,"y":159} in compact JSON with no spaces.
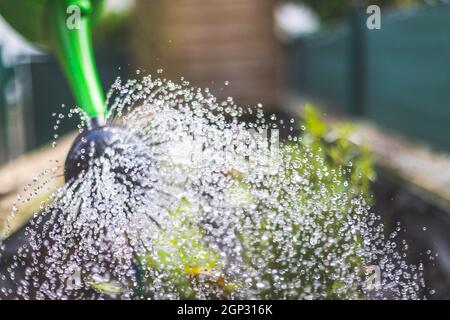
{"x":2,"y":113}
{"x":325,"y":67}
{"x":408,"y":73}
{"x":398,"y":76}
{"x":49,"y":90}
{"x":5,"y":75}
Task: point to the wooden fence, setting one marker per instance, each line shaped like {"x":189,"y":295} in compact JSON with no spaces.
{"x":210,"y":43}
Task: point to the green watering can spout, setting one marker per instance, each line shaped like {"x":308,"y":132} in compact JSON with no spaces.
{"x":64,"y":26}
{"x":71,"y":39}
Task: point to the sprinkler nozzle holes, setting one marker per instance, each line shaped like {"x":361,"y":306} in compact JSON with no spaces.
{"x":125,"y":153}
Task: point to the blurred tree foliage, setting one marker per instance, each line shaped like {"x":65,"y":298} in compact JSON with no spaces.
{"x":112,"y":25}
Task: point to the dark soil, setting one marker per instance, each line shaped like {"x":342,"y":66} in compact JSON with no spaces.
{"x":424,"y":225}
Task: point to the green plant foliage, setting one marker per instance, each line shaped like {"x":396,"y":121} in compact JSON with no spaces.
{"x":337,"y":151}
{"x":333,"y":166}
{"x":174,"y":261}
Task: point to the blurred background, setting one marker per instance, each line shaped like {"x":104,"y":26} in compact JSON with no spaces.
{"x":266,"y":50}
{"x":392,"y":84}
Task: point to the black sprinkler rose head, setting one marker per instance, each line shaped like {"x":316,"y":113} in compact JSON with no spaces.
{"x":129,"y":154}
{"x":87,"y":146}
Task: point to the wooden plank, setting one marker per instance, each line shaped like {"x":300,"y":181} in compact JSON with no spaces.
{"x":28,"y":181}
{"x":253,"y":17}
{"x":213,"y":4}
{"x":211,"y":41}
{"x":214,"y":35}
{"x":428,"y":171}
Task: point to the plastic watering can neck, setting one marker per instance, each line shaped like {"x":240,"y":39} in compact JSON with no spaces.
{"x":65,"y":27}
{"x":69,"y":24}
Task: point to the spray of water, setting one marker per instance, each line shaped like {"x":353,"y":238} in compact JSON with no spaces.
{"x":194,"y":202}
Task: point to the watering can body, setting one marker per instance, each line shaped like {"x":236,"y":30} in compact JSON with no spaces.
{"x":63,"y":27}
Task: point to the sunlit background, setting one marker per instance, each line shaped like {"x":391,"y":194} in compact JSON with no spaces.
{"x":392,"y":84}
